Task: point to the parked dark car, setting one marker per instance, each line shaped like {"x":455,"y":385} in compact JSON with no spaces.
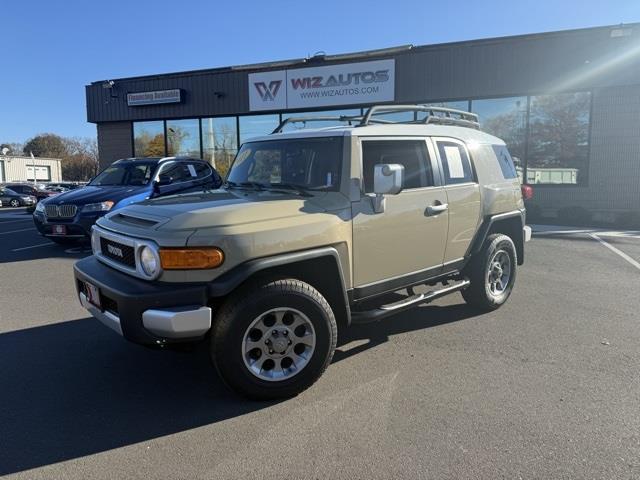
{"x":69,"y":216}
{"x":63,"y":186}
{"x":10,"y":198}
{"x":28,"y":189}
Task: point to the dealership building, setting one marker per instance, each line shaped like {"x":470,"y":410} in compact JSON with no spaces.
{"x":567,"y":104}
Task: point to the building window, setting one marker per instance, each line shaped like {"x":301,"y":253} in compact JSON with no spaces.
{"x":219,"y":142}
{"x":148,"y":139}
{"x":183,"y":138}
{"x":506,"y":118}
{"x":558,"y":149}
{"x":257,"y":125}
{"x":457,"y":105}
{"x":319,"y":124}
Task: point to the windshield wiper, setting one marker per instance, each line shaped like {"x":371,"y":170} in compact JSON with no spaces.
{"x":299,"y":189}
{"x":254,"y":185}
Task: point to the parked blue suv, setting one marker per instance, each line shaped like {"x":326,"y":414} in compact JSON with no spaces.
{"x":69,"y":216}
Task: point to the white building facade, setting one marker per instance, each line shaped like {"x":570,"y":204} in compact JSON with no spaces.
{"x":27,"y":169}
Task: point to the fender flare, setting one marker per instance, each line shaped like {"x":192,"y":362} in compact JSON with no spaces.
{"x":230,"y":280}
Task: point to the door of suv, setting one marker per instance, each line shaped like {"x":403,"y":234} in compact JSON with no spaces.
{"x":463,"y":197}
{"x":407,"y":241}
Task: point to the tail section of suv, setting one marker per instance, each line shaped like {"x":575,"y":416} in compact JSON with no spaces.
{"x":311,"y":232}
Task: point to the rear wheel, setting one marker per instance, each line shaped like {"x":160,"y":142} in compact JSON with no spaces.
{"x":492,"y":273}
{"x":273,"y":339}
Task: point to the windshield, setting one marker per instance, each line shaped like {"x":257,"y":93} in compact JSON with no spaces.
{"x":307,"y":163}
{"x":133,"y":174}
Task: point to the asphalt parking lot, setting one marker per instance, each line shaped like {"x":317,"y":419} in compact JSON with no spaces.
{"x":545,"y":387}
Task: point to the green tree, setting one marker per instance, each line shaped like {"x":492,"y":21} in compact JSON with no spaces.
{"x":46,"y":145}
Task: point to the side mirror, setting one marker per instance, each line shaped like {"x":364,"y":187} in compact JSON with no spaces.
{"x":164,"y":179}
{"x":388,"y":179}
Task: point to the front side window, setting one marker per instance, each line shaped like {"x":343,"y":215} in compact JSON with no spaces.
{"x":131,"y":174}
{"x":310,"y":163}
{"x":412,"y":154}
{"x":455,"y":163}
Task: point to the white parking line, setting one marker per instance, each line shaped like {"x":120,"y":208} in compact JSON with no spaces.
{"x":615,"y":250}
{"x":33,"y":246}
{"x":16,"y":231}
{"x":14,"y":221}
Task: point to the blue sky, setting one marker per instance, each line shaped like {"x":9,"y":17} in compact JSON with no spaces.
{"x":51,"y":50}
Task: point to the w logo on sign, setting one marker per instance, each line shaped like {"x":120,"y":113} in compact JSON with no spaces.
{"x":268,"y":93}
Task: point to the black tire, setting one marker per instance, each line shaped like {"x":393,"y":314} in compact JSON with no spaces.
{"x":14,"y":202}
{"x":480,"y":293}
{"x":248,"y":304}
{"x":63,"y":241}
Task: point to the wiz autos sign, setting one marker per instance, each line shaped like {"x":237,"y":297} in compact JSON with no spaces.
{"x":348,"y":84}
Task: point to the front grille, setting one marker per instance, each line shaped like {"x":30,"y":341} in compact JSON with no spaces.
{"x":60,"y":211}
{"x":118,"y":252}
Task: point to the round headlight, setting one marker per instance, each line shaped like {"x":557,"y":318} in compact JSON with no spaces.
{"x":149,"y":261}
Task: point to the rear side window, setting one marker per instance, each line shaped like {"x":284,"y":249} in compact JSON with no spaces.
{"x":412,"y":154}
{"x":505,"y":161}
{"x":455,"y":163}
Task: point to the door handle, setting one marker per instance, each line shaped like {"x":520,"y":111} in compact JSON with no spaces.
{"x":437,"y":209}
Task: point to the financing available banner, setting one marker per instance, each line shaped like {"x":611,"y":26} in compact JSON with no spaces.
{"x":333,"y":85}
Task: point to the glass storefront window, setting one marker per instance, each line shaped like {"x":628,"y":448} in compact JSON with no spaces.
{"x":506,"y":118}
{"x":257,"y":125}
{"x":148,"y":139}
{"x":319,"y":124}
{"x":559,"y":138}
{"x":183,"y":138}
{"x":219,"y":142}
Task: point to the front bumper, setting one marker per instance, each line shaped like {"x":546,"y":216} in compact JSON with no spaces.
{"x":77,"y":227}
{"x":148,"y":313}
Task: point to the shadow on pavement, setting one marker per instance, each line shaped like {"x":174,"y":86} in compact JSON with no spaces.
{"x":73,"y":389}
{"x":418,"y":318}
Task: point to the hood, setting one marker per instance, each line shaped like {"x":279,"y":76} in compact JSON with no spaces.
{"x":220,"y":208}
{"x":95,"y":194}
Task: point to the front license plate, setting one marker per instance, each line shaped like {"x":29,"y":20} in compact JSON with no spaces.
{"x":93,"y":294}
{"x":59,"y":229}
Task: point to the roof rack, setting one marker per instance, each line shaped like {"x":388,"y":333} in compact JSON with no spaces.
{"x":448,"y":116}
{"x":435,"y":116}
{"x":349,"y":119}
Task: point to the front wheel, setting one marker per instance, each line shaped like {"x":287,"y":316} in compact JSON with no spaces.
{"x":492,"y":273}
{"x":273,"y":339}
{"x":14,"y":202}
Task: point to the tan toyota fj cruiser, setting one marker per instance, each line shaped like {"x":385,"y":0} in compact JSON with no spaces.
{"x":313,"y":230}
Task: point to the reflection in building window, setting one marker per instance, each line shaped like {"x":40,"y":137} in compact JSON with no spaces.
{"x":257,"y":125}
{"x":148,"y":139}
{"x":559,"y":138}
{"x":219,"y":142}
{"x":506,"y":118}
{"x":183,"y":138}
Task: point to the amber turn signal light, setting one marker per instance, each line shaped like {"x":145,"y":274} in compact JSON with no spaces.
{"x":190,"y":258}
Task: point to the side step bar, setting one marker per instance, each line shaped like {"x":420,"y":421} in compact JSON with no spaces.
{"x":379,"y":313}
